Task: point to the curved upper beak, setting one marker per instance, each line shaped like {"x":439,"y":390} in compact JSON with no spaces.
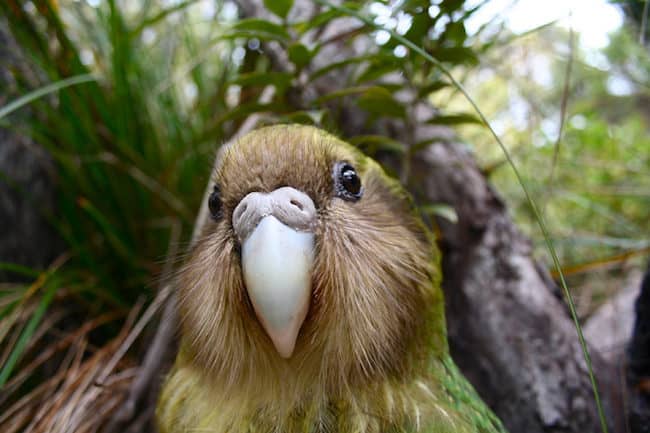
{"x":276,"y":235}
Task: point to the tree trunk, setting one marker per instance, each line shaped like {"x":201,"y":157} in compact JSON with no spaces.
{"x":508,"y":332}
{"x":27,"y":187}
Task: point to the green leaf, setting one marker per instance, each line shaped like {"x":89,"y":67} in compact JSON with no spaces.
{"x":380,"y":102}
{"x":419,"y":28}
{"x":27,"y":333}
{"x":456,"y":31}
{"x":299,"y":55}
{"x":456,"y":55}
{"x":376,"y":70}
{"x":262,"y":29}
{"x":341,"y":93}
{"x":279,"y":7}
{"x":434,"y":86}
{"x":376,"y":100}
{"x":310,"y":117}
{"x":19,"y":269}
{"x":160,"y":16}
{"x":416,"y":147}
{"x":244,"y":110}
{"x":373,"y":143}
{"x":45,"y":90}
{"x":441,"y":210}
{"x":454,"y":119}
{"x":317,"y":21}
{"x":451,"y":5}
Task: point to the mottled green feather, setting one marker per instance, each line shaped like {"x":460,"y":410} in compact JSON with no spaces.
{"x":440,"y":402}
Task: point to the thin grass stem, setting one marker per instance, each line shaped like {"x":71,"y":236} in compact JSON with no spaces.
{"x":45,"y":90}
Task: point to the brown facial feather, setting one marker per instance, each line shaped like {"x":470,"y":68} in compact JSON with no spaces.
{"x":376,"y":309}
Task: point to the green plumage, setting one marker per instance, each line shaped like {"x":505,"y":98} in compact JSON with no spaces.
{"x":372,"y":354}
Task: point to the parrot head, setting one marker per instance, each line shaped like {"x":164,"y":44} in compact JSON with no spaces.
{"x":314,"y":275}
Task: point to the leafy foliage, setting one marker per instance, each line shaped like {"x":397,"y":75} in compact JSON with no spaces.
{"x":593,"y":195}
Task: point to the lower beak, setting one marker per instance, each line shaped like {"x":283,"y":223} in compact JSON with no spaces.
{"x":277,"y":262}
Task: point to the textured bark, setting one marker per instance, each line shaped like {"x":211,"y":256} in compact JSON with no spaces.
{"x":27,"y":189}
{"x":609,"y":328}
{"x":508,"y":332}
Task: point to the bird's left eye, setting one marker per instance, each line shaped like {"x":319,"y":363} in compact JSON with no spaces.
{"x":214,"y":203}
{"x":347,"y":182}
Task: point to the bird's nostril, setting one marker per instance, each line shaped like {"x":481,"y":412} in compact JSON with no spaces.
{"x":297,"y":204}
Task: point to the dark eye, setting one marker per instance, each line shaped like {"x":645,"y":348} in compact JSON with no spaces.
{"x":347,"y":182}
{"x":214,"y":203}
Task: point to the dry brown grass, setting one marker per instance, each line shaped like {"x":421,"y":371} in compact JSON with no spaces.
{"x":86,"y":383}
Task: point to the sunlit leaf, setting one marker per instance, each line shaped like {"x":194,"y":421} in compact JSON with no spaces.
{"x":299,"y":55}
{"x":454,"y":119}
{"x":317,"y":21}
{"x":262,"y":29}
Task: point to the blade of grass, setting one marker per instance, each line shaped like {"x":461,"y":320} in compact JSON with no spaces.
{"x":59,"y":345}
{"x":27,"y":332}
{"x":148,"y":22}
{"x":11,"y":328}
{"x":563,"y":111}
{"x":529,"y":200}
{"x":19,"y":269}
{"x":602,"y":262}
{"x":8,"y":300}
{"x":113,"y":234}
{"x":45,"y":90}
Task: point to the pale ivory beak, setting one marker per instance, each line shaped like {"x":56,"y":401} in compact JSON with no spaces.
{"x":277,"y":250}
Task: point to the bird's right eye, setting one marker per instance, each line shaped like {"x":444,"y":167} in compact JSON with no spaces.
{"x":214,"y":203}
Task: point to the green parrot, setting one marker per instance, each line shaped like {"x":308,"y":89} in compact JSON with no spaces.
{"x":312,"y":302}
